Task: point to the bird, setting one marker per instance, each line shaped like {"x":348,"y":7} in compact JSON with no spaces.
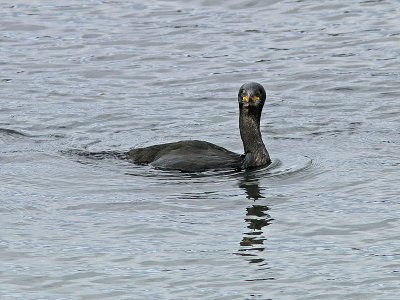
{"x":199,"y":156}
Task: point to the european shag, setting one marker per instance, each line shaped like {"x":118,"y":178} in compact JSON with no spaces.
{"x":196,"y":156}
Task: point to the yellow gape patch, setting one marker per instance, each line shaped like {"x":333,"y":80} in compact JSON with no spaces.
{"x":247,"y":98}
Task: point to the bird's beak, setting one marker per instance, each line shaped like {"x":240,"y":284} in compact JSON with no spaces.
{"x":249,"y":100}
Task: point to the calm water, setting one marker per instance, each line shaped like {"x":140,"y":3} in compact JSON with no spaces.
{"x":321,"y":223}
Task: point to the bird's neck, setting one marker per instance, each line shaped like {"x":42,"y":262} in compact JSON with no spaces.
{"x":254,"y":149}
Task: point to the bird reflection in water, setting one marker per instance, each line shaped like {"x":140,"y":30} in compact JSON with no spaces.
{"x":256,"y":218}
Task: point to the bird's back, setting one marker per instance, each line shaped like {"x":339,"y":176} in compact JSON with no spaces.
{"x":186,"y":156}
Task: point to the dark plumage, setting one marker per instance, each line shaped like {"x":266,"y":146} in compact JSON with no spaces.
{"x":194,"y":156}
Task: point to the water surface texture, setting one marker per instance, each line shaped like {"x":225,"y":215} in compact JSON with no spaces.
{"x":321,"y":223}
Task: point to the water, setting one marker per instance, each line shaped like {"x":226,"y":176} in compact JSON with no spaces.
{"x":320,"y":223}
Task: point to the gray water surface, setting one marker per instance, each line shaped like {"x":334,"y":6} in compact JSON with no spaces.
{"x":322,"y":222}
